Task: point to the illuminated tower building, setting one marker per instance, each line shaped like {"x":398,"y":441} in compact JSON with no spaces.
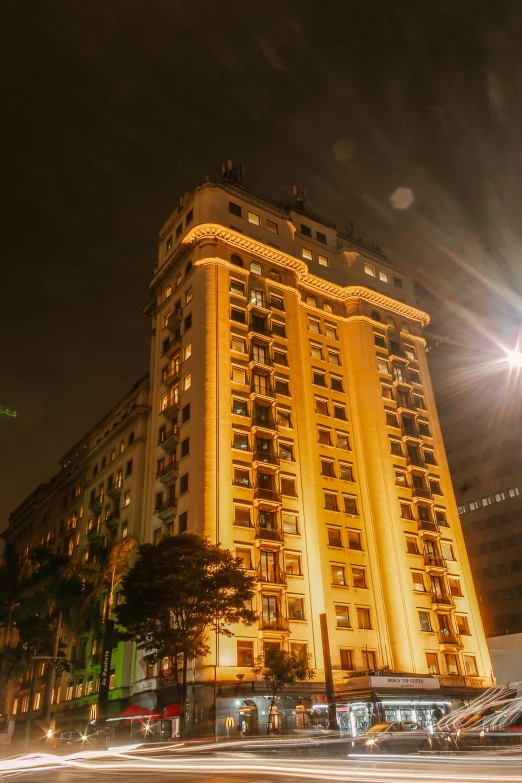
{"x":293,"y":422}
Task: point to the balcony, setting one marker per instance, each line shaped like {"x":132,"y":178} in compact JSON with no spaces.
{"x":265,"y":458}
{"x":168,"y":474}
{"x":166,"y":511}
{"x":262,"y":390}
{"x":174,"y":321}
{"x":267,"y":495}
{"x":113,"y":517}
{"x":273,"y":576}
{"x":416,"y":462}
{"x":96,"y":503}
{"x":263,"y":360}
{"x":428,"y":529}
{"x":259,"y":330}
{"x":259,"y":304}
{"x":421,"y":492}
{"x":267,"y":423}
{"x":171,"y":377}
{"x":411,"y":433}
{"x":170,"y":439}
{"x":442,"y":599}
{"x":171,"y":411}
{"x":114,"y":490}
{"x":173,"y":347}
{"x":449,"y":638}
{"x":434,"y":563}
{"x":273,"y":623}
{"x":269,"y":534}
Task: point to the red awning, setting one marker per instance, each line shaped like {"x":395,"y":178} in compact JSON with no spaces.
{"x":172,"y":711}
{"x":156,"y":714}
{"x":134,"y":712}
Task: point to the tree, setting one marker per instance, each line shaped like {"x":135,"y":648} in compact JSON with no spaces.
{"x":280,"y":668}
{"x":175,"y":591}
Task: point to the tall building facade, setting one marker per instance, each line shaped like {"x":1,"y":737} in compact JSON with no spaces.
{"x":293,"y":422}
{"x":288,"y":416}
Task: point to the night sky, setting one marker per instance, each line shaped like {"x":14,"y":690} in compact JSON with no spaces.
{"x":111,"y":110}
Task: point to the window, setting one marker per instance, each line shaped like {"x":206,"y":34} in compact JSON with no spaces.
{"x":318,"y":378}
{"x":323,"y":437}
{"x":322,"y":260}
{"x":238,"y":375}
{"x":418,"y":581}
{"x":281,"y":387}
{"x":321,"y":406}
{"x":314,"y":326}
{"x":401,"y":479}
{"x":290,"y":523}
{"x":410,"y":352}
{"x":238,"y":315}
{"x":454,"y":586}
{"x":382,"y":365}
{"x":242,"y":516}
{"x":369,"y":270}
{"x":336,"y":383}
{"x":358,"y":577}
{"x":280,"y":357}
{"x":432,"y":661}
{"x":185,"y":413}
{"x":396,"y":447}
{"x":330,"y":501}
{"x":257,"y":297}
{"x":452,"y":666}
{"x":295,"y":608}
{"x":462,"y":624}
{"x":345,"y":472}
{"x":306,"y":231}
{"x":238,"y":344}
{"x":378,"y":339}
{"x":391,"y":419}
{"x":128,"y":468}
{"x":286,"y":451}
{"x":447,"y":550}
{"x":513,"y":492}
{"x":245,"y":653}
{"x":412,"y":546}
{"x":239,"y":407}
{"x":234,"y":209}
{"x":334,"y":536}
{"x":343,"y":441}
{"x":440,"y":517}
{"x":364,"y":618}
{"x":256,"y":268}
{"x":387,"y":392}
{"x":188,"y":295}
{"x":190,"y":215}
{"x":278,"y":328}
{"x":167,"y":292}
{"x":397,"y":281}
{"x":350,"y":505}
{"x":316,"y":351}
{"x":125,"y":530}
{"x":283,"y":418}
{"x":327,"y":307}
{"x":383,"y":276}
{"x":183,"y":484}
{"x":185,"y":447}
{"x":342,"y":616}
{"x":424,"y":429}
{"x":398,"y":373}
{"x":187,"y":381}
{"x":425,"y":621}
{"x":288,"y":486}
{"x":276,"y":301}
{"x":330,"y":331}
{"x":414,"y":376}
{"x":320,"y":237}
{"x":245,"y":555}
{"x":435,"y":487}
{"x":241,"y":477}
{"x":293,"y":563}
{"x":419,"y":402}
{"x":240,"y":441}
{"x":312,"y":301}
{"x":327,"y":468}
{"x":254,"y":219}
{"x":333,"y":357}
{"x":354,"y":540}
{"x":237,"y":287}
{"x":429,"y":457}
{"x":338,"y":576}
{"x":499,"y":496}
{"x":127,"y":498}
{"x":271,"y":226}
{"x":237,"y":260}
{"x":307,"y":254}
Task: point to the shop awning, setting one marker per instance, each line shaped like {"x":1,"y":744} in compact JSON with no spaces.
{"x":172,"y":711}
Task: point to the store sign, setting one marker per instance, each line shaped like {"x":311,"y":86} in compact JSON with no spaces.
{"x":427,"y":683}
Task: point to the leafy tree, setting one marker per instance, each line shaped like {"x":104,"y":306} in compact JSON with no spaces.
{"x":280,"y":668}
{"x":175,"y":592}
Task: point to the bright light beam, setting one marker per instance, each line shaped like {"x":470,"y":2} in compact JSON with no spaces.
{"x":515,"y":359}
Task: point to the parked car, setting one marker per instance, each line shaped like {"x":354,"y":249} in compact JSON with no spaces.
{"x":66,"y":738}
{"x":393,"y":737}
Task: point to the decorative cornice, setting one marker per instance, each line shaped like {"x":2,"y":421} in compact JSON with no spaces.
{"x":237,"y":241}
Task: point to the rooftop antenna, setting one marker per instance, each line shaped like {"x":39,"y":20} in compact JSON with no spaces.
{"x":299,"y":197}
{"x":232,"y":173}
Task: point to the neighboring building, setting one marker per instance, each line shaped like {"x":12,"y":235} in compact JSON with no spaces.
{"x":294,"y":423}
{"x":481,"y":430}
{"x":101,"y":481}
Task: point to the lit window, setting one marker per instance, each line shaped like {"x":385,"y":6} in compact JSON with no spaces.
{"x":307,"y":254}
{"x":238,"y":375}
{"x":127,"y":498}
{"x":125,"y":530}
{"x":245,"y":653}
{"x":285,"y":451}
{"x":256,"y":268}
{"x":364,"y":621}
{"x":240,"y":441}
{"x":122,"y":446}
{"x":242,"y":516}
{"x":498,"y":497}
{"x":187,"y":381}
{"x":271,"y":226}
{"x":452,"y":666}
{"x":425,"y":621}
{"x":312,"y":301}
{"x":383,"y":276}
{"x":293,"y":563}
{"x":316,"y":351}
{"x":513,"y":492}
{"x":354,"y":540}
{"x":167,"y":292}
{"x":338,"y":576}
{"x":238,"y":344}
{"x":455,"y":586}
{"x":342,"y":616}
{"x":345,"y":472}
{"x":290,"y":523}
{"x":418,"y":581}
{"x":358,"y":577}
{"x":368,"y":268}
{"x":295,"y":608}
{"x":432,"y":662}
{"x":334,"y":358}
{"x":323,"y":261}
{"x":283,"y":418}
{"x":236,"y":287}
{"x":330,"y":331}
{"x":327,"y":307}
{"x":188,"y":296}
{"x":313,"y":326}
{"x":254,"y":219}
{"x":382,"y":365}
{"x":343,"y":441}
{"x":447,"y":550}
{"x":412,"y":546}
{"x":462,"y":624}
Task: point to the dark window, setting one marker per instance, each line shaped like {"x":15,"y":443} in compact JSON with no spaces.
{"x":183,"y":483}
{"x":234,"y":209}
{"x":185,"y":447}
{"x":306,"y":231}
{"x":183,"y":522}
{"x":179,"y":230}
{"x":237,"y":260}
{"x":339,"y":412}
{"x":131,"y":438}
{"x":319,"y":378}
{"x":238,"y":315}
{"x":128,"y":468}
{"x":320,"y":237}
{"x":188,"y":322}
{"x":350,"y":505}
{"x":379,"y":340}
{"x":347,"y":660}
{"x":190,"y":215}
{"x":281,"y":387}
{"x":278,"y":329}
{"x":337,"y":384}
{"x":185,"y":413}
{"x":276,"y":301}
{"x":414,"y":376}
{"x":334,"y":537}
{"x":397,"y":281}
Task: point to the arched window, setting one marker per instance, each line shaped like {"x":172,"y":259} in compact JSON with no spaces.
{"x":390,"y":322}
{"x":405,"y":328}
{"x":237,"y":260}
{"x":327,"y":307}
{"x":256,"y":268}
{"x":311,"y":300}
{"x":376,"y":316}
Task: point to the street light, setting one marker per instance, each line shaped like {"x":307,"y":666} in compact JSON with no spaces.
{"x":514,"y":358}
